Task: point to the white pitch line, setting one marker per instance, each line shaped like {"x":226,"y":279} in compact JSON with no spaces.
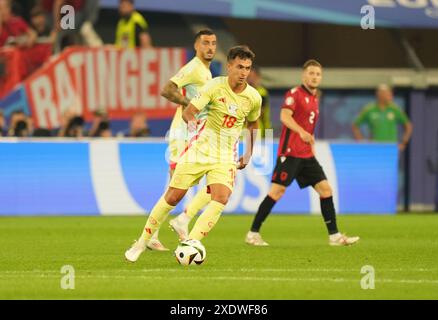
{"x":270,"y":279}
{"x":200,"y":269}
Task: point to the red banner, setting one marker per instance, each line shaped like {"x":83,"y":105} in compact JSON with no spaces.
{"x":13,"y":70}
{"x":119,"y":81}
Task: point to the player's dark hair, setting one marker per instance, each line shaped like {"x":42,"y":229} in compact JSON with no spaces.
{"x":203,"y":32}
{"x":243,"y":52}
{"x":311,"y":63}
{"x":21,"y":129}
{"x":36,"y":11}
{"x":74,"y":125}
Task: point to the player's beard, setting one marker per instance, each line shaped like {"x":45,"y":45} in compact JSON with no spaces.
{"x":207,"y":57}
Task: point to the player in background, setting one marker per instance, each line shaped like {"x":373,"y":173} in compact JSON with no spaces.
{"x":255,"y":80}
{"x":192,"y":79}
{"x":213,"y":150}
{"x":180,"y":89}
{"x":296,"y":157}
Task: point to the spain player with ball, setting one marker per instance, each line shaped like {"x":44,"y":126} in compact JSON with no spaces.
{"x":212,"y":151}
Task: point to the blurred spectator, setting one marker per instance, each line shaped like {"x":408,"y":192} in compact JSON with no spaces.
{"x":20,"y":125}
{"x":23,"y":8}
{"x":139,"y":127}
{"x":104,"y":130}
{"x":41,"y":132}
{"x":21,"y":129}
{"x":2,"y":65}
{"x":382,"y":118}
{"x":66,"y":117}
{"x":41,"y":27}
{"x":2,"y":124}
{"x":86,"y":13}
{"x":132,"y":29}
{"x":90,"y":36}
{"x":75,"y":128}
{"x":255,"y":80}
{"x":101,"y":125}
{"x":14,"y":31}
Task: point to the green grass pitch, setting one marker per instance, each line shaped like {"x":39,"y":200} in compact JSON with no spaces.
{"x":299,"y":264}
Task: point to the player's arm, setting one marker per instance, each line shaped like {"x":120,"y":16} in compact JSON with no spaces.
{"x":403,"y":119}
{"x":57,"y":5}
{"x":406,"y":135}
{"x":356,"y":132}
{"x":172,"y":93}
{"x":189,"y":113}
{"x":250,"y":139}
{"x":287,"y":120}
{"x":313,"y":147}
{"x":199,"y":102}
{"x":361,"y":119}
{"x":189,"y":116}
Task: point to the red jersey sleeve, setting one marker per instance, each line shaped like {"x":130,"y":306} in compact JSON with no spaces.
{"x":290,"y":99}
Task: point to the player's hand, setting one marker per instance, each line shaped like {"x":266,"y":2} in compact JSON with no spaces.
{"x":307,"y":137}
{"x":401,"y":147}
{"x":192,"y":128}
{"x":243,"y":161}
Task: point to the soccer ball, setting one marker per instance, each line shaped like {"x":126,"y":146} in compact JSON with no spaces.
{"x":190,"y":252}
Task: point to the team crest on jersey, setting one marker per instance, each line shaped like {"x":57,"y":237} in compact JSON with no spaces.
{"x":307,"y":99}
{"x":290,"y":101}
{"x":222,"y":99}
{"x":390,"y":116}
{"x":232,"y":108}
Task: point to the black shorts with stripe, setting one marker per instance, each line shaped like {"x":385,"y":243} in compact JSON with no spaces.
{"x":307,"y":171}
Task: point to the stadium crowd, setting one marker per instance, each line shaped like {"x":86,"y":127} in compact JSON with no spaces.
{"x":31,"y":33}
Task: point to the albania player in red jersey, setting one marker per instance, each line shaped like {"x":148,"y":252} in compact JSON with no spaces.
{"x":296,"y":157}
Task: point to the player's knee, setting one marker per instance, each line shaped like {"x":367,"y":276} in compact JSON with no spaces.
{"x":325,"y":191}
{"x":277,"y":193}
{"x":173,"y":198}
{"x":221,"y":198}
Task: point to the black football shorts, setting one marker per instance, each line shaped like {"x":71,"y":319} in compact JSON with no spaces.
{"x":307,"y":171}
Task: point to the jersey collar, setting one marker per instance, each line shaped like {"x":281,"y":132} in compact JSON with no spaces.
{"x":128,"y":17}
{"x":307,"y":90}
{"x":200,"y":62}
{"x":237,"y":94}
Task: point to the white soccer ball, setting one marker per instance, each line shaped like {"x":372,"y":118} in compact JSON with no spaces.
{"x":190,"y":252}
